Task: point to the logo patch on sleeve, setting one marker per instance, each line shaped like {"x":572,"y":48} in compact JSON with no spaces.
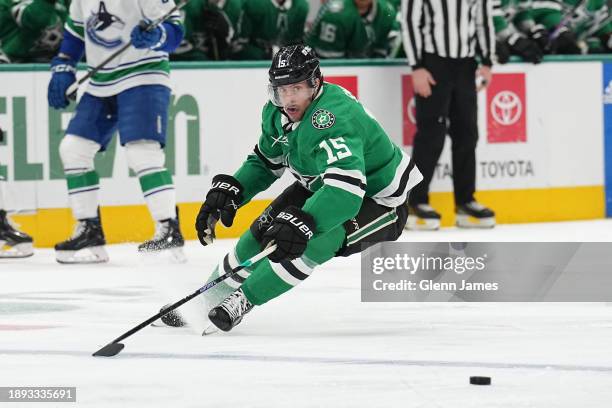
{"x":323,"y":119}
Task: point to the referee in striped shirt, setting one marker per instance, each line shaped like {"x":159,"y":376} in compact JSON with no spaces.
{"x":444,"y":40}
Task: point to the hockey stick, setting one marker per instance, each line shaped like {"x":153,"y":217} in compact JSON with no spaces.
{"x":594,"y":28}
{"x":114,"y":347}
{"x":566,"y":19}
{"x":72,"y":89}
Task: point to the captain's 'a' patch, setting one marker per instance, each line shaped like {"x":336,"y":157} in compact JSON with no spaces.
{"x":323,"y":119}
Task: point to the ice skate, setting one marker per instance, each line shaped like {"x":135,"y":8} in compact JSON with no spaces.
{"x":422,"y":217}
{"x":168,"y":238}
{"x":85,"y":246}
{"x":231,"y":311}
{"x":474,"y":215}
{"x":13,"y":243}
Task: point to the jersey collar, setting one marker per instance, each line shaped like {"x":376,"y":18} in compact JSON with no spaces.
{"x":220,"y":3}
{"x":369,"y":18}
{"x":286,"y":6}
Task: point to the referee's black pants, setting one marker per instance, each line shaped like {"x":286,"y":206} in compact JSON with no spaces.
{"x":451,"y":108}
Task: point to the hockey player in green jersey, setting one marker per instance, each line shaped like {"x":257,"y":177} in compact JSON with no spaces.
{"x":355,"y":29}
{"x":592,"y":24}
{"x":267,"y":25}
{"x":210,"y":27}
{"x":30,"y":30}
{"x":515,"y":31}
{"x":352,"y":183}
{"x":551,"y":15}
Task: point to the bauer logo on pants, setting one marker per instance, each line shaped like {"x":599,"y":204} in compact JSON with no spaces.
{"x":507,"y":109}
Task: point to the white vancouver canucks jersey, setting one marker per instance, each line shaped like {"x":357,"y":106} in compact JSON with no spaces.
{"x":105,"y":26}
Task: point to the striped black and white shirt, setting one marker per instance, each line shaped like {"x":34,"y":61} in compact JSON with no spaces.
{"x":448,"y":28}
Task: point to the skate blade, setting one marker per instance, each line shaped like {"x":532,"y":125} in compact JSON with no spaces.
{"x":468,"y":221}
{"x":212,"y":329}
{"x":159,"y":323}
{"x":89,"y":255}
{"x":22,"y":250}
{"x":415,"y":223}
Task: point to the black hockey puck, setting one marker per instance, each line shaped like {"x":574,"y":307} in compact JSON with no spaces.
{"x":480,"y":380}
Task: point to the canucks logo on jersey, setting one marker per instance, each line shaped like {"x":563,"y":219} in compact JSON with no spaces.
{"x":103,"y":28}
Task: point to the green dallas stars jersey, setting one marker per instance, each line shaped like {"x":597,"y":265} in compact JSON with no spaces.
{"x":592,"y":23}
{"x":31,"y":30}
{"x":338,"y":151}
{"x":511,"y":12}
{"x":195,"y":44}
{"x":340,"y":32}
{"x":265,"y":25}
{"x":589,"y":21}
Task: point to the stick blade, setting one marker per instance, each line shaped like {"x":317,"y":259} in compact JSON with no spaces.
{"x":110,"y":350}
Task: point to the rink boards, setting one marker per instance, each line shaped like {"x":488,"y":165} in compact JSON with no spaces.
{"x":540,"y":155}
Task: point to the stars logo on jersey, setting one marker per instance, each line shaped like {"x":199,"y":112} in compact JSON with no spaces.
{"x":323,"y":119}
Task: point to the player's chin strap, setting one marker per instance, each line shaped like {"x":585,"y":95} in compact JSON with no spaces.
{"x":317,"y":93}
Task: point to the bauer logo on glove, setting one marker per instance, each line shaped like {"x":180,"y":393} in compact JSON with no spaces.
{"x":291,"y":230}
{"x":293,"y":220}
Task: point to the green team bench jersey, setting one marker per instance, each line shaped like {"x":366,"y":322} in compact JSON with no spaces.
{"x":592,"y":23}
{"x":31,"y":30}
{"x":265,"y":25}
{"x":339,"y":31}
{"x":591,"y":18}
{"x":509,"y":13}
{"x":338,"y":151}
{"x":195,"y":44}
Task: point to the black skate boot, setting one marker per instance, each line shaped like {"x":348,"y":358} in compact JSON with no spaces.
{"x":230,"y":312}
{"x":422,"y":217}
{"x":167,"y":237}
{"x":13,"y":243}
{"x":474,"y":215}
{"x":172,"y":318}
{"x":85,"y":246}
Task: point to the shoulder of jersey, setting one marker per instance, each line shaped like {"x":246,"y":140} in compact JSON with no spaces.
{"x":269,"y":109}
{"x":388,"y":9}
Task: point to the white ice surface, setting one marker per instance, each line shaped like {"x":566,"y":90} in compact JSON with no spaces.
{"x":316,"y":346}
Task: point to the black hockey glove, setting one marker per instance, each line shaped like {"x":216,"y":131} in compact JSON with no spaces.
{"x":565,"y":43}
{"x":291,"y":230}
{"x":502,"y":50}
{"x":525,"y":48}
{"x":222,"y":202}
{"x":539,"y":34}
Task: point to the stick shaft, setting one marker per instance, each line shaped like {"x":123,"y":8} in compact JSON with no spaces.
{"x":203,"y":289}
{"x":564,"y":20}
